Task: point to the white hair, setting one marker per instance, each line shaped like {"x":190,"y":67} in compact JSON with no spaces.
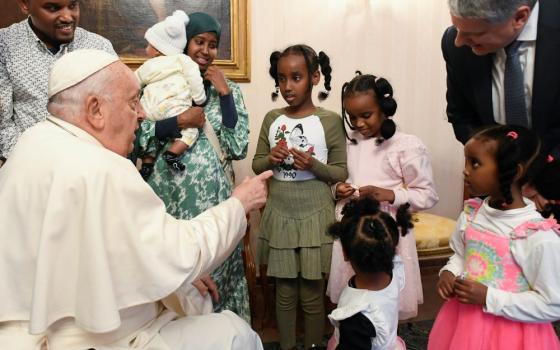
{"x":70,"y":103}
{"x":494,"y":11}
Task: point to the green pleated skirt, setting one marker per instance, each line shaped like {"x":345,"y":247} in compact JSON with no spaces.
{"x":293,"y":231}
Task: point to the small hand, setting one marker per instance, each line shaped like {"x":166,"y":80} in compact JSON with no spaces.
{"x":207,"y":285}
{"x":216,"y":76}
{"x":470,"y":292}
{"x":344,"y":190}
{"x":378,"y":193}
{"x":445,"y":285}
{"x":278,"y":153}
{"x":302,"y":160}
{"x":191,"y":118}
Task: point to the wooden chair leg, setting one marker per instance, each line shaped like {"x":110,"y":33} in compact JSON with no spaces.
{"x":250,"y":272}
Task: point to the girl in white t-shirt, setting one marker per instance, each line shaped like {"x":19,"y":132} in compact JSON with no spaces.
{"x":305,"y":147}
{"x":367,"y":314}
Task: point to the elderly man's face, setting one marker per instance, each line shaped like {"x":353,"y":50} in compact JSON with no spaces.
{"x":123,"y":112}
{"x":484,"y":37}
{"x":54,"y":21}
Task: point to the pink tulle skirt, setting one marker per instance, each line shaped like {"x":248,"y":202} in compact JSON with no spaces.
{"x":466,"y":327}
{"x":411,"y":295}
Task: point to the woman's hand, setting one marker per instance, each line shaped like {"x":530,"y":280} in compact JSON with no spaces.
{"x":470,"y":292}
{"x":191,"y":118}
{"x":218,"y":80}
{"x":445,"y":285}
{"x":302,"y":160}
{"x":378,"y":193}
{"x":207,"y":285}
{"x":344,"y":190}
{"x":278,"y":153}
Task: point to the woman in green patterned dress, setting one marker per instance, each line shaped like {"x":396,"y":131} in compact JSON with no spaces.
{"x":206,"y":180}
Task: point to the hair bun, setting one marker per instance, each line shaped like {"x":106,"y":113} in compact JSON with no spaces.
{"x":388,"y":106}
{"x":385,"y":89}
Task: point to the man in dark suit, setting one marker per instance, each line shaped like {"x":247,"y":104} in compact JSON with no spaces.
{"x":474,"y":49}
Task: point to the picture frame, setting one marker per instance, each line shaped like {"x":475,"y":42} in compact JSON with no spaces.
{"x":124,"y":23}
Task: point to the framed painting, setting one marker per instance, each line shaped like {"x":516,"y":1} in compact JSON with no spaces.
{"x":124,"y":23}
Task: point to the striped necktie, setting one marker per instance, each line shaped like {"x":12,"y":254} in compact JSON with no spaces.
{"x":514,"y":87}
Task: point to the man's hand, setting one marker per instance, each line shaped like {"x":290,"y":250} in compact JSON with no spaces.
{"x":218,"y":79}
{"x":541,"y":203}
{"x":252,"y":192}
{"x":302,"y":160}
{"x":207,"y":285}
{"x":344,"y":190}
{"x":445,"y":285}
{"x":380,"y":194}
{"x":278,"y":153}
{"x":470,"y":292}
{"x":191,"y":118}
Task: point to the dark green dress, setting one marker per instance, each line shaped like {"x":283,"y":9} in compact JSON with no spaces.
{"x":203,"y":185}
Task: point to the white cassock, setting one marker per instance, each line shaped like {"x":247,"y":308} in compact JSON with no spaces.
{"x":88,"y":252}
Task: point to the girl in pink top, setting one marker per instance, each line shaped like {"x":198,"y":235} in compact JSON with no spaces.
{"x":392,"y":167}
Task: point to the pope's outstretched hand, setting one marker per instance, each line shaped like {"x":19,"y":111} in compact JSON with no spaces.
{"x":252,"y":192}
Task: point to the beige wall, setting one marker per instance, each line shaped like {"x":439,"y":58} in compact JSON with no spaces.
{"x":397,"y":39}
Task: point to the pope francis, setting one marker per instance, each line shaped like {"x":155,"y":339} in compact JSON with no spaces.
{"x":88,"y":255}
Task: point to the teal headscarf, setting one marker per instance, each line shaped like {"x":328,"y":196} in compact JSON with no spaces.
{"x":200,"y":22}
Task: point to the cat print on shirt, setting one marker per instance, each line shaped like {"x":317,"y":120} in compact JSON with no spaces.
{"x":294,"y":138}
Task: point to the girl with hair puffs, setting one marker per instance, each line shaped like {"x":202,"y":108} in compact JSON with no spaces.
{"x":501,"y":284}
{"x":367,"y":314}
{"x":304,"y":146}
{"x":388,"y":165}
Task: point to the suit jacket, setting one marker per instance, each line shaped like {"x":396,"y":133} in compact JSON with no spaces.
{"x":469,"y":82}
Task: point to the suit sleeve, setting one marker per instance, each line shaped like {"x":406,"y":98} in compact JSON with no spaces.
{"x":460,"y":112}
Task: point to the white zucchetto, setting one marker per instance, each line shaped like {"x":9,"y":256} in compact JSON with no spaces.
{"x":75,"y":67}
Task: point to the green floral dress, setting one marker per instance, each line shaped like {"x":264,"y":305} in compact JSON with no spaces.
{"x":203,"y":185}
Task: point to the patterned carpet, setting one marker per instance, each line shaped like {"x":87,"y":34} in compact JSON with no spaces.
{"x":414,"y":334}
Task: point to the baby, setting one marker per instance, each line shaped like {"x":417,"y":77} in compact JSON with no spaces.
{"x":171,"y":80}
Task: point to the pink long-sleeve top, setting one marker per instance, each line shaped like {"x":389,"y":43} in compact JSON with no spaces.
{"x":401,"y":163}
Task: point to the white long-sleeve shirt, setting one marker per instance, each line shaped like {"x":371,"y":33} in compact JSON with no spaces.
{"x":538,"y":255}
{"x":381,"y":307}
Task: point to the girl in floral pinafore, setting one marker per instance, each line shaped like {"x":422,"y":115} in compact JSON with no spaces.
{"x":501,"y":286}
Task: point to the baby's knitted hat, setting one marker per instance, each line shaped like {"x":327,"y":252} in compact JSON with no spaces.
{"x":169,"y":36}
